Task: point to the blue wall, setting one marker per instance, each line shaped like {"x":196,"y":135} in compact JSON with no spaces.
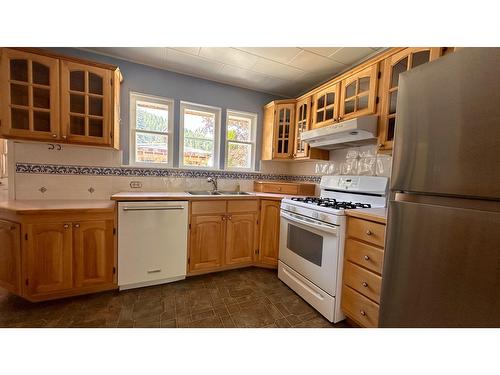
{"x":153,"y":81}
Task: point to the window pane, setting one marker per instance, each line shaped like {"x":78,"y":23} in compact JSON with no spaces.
{"x":239,"y":129}
{"x":198,"y":152}
{"x":151,"y":116}
{"x":239,"y":155}
{"x":199,"y":138}
{"x":151,"y":148}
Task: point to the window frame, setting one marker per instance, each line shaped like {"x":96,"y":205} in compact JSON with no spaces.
{"x":253,"y":143}
{"x":170,"y":133}
{"x":217,"y":133}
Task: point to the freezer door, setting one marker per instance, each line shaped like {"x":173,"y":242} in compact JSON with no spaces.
{"x":441,"y":267}
{"x":448,"y":126}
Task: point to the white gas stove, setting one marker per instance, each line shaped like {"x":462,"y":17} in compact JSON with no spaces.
{"x":312,"y":237}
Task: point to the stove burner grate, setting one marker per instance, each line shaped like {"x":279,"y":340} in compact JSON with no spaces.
{"x":331,"y":203}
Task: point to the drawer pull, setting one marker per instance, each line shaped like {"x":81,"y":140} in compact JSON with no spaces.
{"x":366,"y":257}
{"x":368,"y":232}
{"x":66,"y":226}
{"x":154,"y":271}
{"x":365,"y":284}
{"x":362,"y":312}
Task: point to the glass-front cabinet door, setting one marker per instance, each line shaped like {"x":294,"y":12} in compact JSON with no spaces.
{"x":359,"y":93}
{"x":302,"y":115}
{"x":396,"y":64}
{"x":284,"y":131}
{"x":29,"y":95}
{"x":86,"y":103}
{"x":325,"y":106}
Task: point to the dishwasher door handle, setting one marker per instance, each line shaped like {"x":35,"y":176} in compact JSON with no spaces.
{"x":152,"y":208}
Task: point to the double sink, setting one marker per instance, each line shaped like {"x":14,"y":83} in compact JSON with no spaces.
{"x":206,"y":192}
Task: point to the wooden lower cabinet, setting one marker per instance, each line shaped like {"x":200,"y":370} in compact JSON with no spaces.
{"x":240,"y":238}
{"x":93,"y":253}
{"x":362,"y":277}
{"x":10,"y":255}
{"x":224,"y":234}
{"x":48,"y":259}
{"x":269,"y":232}
{"x":207,"y":242}
{"x":54,"y":255}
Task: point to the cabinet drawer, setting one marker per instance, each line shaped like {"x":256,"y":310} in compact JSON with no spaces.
{"x":208,"y":207}
{"x":242,"y":206}
{"x":281,"y":189}
{"x":359,"y":308}
{"x":365,"y":282}
{"x":366,"y":230}
{"x":364,"y":255}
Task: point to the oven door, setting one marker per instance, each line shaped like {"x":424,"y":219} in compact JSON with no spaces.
{"x":311,"y":248}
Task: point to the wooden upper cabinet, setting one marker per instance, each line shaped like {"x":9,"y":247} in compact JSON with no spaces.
{"x":240,"y":238}
{"x":278,"y":130}
{"x":86,"y":103}
{"x":325,"y":106}
{"x":301,"y":149}
{"x":29,"y":93}
{"x":50,"y":97}
{"x":395,"y":65}
{"x":359,"y":93}
{"x":48,"y":265}
{"x":284,"y":131}
{"x":270,"y":231}
{"x":207,"y":246}
{"x":10,"y":256}
{"x":94,"y":256}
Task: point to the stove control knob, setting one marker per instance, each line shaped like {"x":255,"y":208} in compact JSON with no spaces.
{"x":315,"y":215}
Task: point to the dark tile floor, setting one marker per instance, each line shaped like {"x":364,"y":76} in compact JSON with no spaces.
{"x":250,"y":297}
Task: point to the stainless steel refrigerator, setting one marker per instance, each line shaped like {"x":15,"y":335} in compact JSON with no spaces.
{"x":442,"y":256}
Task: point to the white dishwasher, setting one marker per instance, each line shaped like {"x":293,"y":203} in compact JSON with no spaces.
{"x":152,"y":242}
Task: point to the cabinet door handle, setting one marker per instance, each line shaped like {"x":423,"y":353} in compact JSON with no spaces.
{"x":154,"y":271}
{"x":362,"y":312}
{"x":77,"y":225}
{"x":223,"y":218}
{"x":366,"y":257}
{"x":54,"y":135}
{"x":369,"y":232}
{"x":229,"y":217}
{"x":365,"y":284}
{"x":66,"y":226}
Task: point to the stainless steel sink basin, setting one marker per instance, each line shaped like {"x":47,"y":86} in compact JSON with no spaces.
{"x":234,"y":193}
{"x":204,"y":192}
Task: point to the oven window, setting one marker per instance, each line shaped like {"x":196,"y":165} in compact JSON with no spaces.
{"x":305,"y":244}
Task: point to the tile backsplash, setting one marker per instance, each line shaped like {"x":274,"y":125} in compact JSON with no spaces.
{"x":74,"y":172}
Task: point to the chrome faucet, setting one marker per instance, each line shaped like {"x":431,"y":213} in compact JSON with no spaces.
{"x":213,"y":180}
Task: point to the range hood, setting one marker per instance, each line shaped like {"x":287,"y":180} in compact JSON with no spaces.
{"x":356,"y":132}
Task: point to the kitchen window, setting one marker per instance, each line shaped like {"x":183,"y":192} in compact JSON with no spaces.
{"x":240,"y":140}
{"x":151,"y":130}
{"x":200,"y":132}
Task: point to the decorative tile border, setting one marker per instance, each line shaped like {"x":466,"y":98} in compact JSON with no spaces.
{"x":33,"y":168}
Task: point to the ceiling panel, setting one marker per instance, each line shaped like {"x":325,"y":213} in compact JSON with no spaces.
{"x":285,"y":71}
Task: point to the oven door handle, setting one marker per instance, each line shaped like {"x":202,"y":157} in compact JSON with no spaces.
{"x":309,"y":222}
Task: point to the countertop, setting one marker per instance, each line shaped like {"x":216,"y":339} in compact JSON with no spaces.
{"x":374,"y":214}
{"x":25,"y":207}
{"x":162,"y":196}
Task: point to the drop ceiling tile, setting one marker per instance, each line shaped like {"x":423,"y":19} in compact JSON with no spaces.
{"x":189,"y":64}
{"x":279,"y":54}
{"x":277,"y":70}
{"x":351,"y":55}
{"x":323,"y":51}
{"x":191,"y":50}
{"x":230,"y":56}
{"x":144,"y":55}
{"x":311,"y":62}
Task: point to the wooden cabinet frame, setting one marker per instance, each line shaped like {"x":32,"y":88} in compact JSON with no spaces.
{"x":371,"y":73}
{"x":7,"y":130}
{"x":323,"y":95}
{"x":57,"y":273}
{"x":384,"y":141}
{"x":59,"y":67}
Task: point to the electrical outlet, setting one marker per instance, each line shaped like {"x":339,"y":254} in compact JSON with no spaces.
{"x":135,"y":184}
